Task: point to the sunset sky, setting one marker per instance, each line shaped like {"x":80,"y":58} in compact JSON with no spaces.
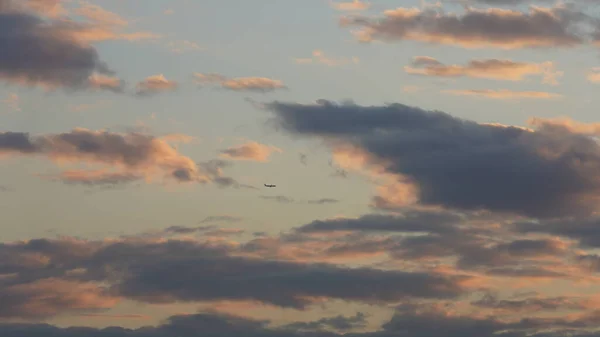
{"x":437,"y":168}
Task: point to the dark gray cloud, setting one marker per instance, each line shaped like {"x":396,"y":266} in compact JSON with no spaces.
{"x":184,"y":271}
{"x":411,"y":221}
{"x":408,"y":321}
{"x":586,"y":230}
{"x":341,"y":323}
{"x":37,"y":51}
{"x":303,"y":159}
{"x":558,"y":26}
{"x":458,"y":163}
{"x":532,"y":304}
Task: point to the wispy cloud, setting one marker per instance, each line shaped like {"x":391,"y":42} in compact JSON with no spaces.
{"x":253,"y":151}
{"x":155,"y":84}
{"x":256,"y":84}
{"x":489,"y":69}
{"x":476,"y":28}
{"x":503,"y":94}
{"x":354,"y":5}
{"x":318,"y":57}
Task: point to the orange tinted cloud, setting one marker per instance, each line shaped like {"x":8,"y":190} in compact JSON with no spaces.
{"x":257,"y":84}
{"x":319,"y":57}
{"x":567,"y":123}
{"x":99,"y":81}
{"x":594,"y":75}
{"x":503,"y":94}
{"x":128,"y":155}
{"x":51,"y":296}
{"x":489,"y":69}
{"x":250,"y":151}
{"x":354,"y":5}
{"x":155,"y":84}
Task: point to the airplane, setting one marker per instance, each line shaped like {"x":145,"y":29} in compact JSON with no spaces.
{"x":269,"y":185}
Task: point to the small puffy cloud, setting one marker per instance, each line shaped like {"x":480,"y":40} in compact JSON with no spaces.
{"x":503,"y":94}
{"x":475,"y":28}
{"x":489,"y":69}
{"x":354,"y":5}
{"x":99,"y":81}
{"x":319,"y":57}
{"x":256,"y":84}
{"x":253,"y":151}
{"x":155,"y":84}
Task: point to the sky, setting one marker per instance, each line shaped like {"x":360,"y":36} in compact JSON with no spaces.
{"x":436,"y":168}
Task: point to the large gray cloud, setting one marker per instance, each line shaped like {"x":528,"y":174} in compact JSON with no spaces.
{"x":457,"y":163}
{"x":184,"y":271}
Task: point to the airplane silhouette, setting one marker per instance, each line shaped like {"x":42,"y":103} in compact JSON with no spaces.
{"x":269,"y":185}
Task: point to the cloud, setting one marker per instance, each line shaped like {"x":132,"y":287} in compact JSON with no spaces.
{"x":496,"y":168}
{"x":409,"y":221}
{"x":477,"y":28}
{"x":48,"y":297}
{"x":12,"y":102}
{"x":45,"y":47}
{"x":114,"y":84}
{"x":594,"y":75}
{"x":250,"y":151}
{"x":340,"y":323}
{"x":46,"y":54}
{"x":95,"y":177}
{"x":221,"y":218}
{"x":590,"y":129}
{"x":410,"y":319}
{"x":278,"y":198}
{"x":255,"y":84}
{"x":319,"y":57}
{"x":503,"y":94}
{"x":182,"y":46}
{"x":213,"y":171}
{"x":169,"y":271}
{"x":128,"y":155}
{"x":354,"y":5}
{"x":323,"y":201}
{"x":489,"y":69}
{"x":155,"y":84}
